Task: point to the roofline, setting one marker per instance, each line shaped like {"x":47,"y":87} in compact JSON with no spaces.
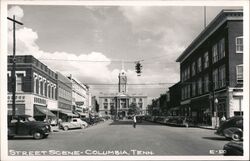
{"x":193,"y":44}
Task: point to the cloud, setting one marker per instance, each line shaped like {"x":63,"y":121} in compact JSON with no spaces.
{"x":99,"y":69}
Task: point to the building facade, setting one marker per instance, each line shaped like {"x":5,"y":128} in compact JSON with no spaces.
{"x":36,"y":88}
{"x":80,"y":97}
{"x":122,"y":101}
{"x":64,"y":97}
{"x":211,"y":70}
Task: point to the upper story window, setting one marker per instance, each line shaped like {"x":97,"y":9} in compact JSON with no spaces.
{"x":19,"y":82}
{"x":106,"y":100}
{"x":193,"y":69}
{"x":206,"y":60}
{"x":215,"y":53}
{"x":239,"y":44}
{"x":215,"y":79}
{"x":188,"y":72}
{"x":239,"y":74}
{"x":206,"y":83}
{"x":222,"y":76}
{"x":193,"y":88}
{"x":221,"y":46}
{"x":199,"y":86}
{"x":199,"y":65}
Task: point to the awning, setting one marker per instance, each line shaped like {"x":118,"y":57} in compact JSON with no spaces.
{"x":68,"y":113}
{"x":41,"y":111}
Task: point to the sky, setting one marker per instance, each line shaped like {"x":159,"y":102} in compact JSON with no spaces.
{"x":109,"y":35}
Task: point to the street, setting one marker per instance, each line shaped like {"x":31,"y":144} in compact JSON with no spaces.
{"x":146,"y":139}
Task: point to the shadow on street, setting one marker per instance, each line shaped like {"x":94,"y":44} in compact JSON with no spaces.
{"x":216,"y":138}
{"x":130,"y":122}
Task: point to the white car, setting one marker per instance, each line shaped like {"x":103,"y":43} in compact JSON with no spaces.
{"x":73,"y":124}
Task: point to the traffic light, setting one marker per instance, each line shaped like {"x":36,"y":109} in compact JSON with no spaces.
{"x":138,"y":68}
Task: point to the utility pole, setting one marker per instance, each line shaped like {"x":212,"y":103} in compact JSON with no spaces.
{"x":13,"y":72}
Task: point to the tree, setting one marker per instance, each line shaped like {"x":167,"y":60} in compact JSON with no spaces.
{"x":134,"y":109}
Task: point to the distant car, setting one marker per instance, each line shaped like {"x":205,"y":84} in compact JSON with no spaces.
{"x":233,"y":148}
{"x":231,"y":128}
{"x":23,"y":125}
{"x":74,"y":123}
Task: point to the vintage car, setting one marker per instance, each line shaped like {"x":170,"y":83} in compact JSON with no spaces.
{"x":231,"y":128}
{"x":23,"y":125}
{"x":74,"y":123}
{"x":233,"y":148}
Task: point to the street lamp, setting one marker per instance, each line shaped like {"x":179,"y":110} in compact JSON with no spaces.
{"x":216,"y":112}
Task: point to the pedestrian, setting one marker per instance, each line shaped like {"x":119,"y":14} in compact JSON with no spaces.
{"x":134,"y":121}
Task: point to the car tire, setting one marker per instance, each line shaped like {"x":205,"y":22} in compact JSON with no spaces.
{"x":65,"y":128}
{"x":45,"y":136}
{"x":236,"y":136}
{"x":82,"y":126}
{"x":38,"y":135}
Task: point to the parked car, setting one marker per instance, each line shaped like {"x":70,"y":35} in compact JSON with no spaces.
{"x":231,"y":128}
{"x":73,"y":124}
{"x":233,"y":148}
{"x":23,"y":125}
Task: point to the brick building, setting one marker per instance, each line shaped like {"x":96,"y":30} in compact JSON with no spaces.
{"x":36,"y":88}
{"x":211,"y":69}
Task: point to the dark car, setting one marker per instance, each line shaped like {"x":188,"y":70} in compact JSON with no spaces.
{"x":233,"y":148}
{"x":23,"y":125}
{"x":231,"y":128}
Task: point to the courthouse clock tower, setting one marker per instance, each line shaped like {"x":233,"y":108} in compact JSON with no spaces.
{"x":122,"y":85}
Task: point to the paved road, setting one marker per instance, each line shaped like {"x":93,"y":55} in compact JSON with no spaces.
{"x":147,"y":138}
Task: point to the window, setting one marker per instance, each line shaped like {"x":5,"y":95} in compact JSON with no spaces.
{"x":37,"y":86}
{"x":239,"y":74}
{"x":206,"y":60}
{"x":188,"y":72}
{"x":206,"y":83}
{"x":41,"y":87}
{"x":188,"y":91}
{"x":222,"y":76}
{"x":193,"y":69}
{"x":193,"y":89}
{"x":49,"y":91}
{"x":199,"y":86}
{"x":106,"y":100}
{"x":239,"y":44}
{"x":215,"y":78}
{"x":182,"y":75}
{"x":182,"y":93}
{"x":222,"y":48}
{"x":19,"y":83}
{"x":215,"y":53}
{"x":199,"y":64}
{"x":105,"y":106}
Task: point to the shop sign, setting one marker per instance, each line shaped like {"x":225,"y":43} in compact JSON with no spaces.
{"x":38,"y":100}
{"x":19,"y":99}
